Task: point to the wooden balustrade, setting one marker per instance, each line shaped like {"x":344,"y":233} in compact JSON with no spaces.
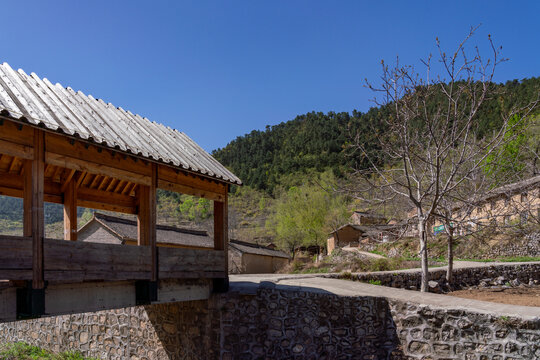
{"x":70,"y":261}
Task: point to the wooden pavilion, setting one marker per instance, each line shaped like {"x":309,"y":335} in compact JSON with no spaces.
{"x":62,"y":146}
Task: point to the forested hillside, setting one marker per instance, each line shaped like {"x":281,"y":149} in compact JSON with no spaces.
{"x":263,"y":159}
{"x":283,"y":168}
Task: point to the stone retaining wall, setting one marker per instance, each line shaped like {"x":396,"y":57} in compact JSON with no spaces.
{"x":463,"y":277}
{"x":285,"y":322}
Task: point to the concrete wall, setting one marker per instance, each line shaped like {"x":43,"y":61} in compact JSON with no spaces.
{"x":275,"y":322}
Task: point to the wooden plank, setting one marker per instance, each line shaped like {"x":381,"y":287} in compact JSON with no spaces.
{"x":18,"y":274}
{"x":82,"y":261}
{"x":67,"y":180}
{"x":108,"y":207}
{"x":188,"y":190}
{"x":77,"y":149}
{"x":171,"y":175}
{"x":18,"y":193}
{"x":190,"y":263}
{"x":95,"y":168}
{"x":99,"y":196}
{"x":221,"y":229}
{"x":70,"y":211}
{"x":16,"y":132}
{"x":34,"y":205}
{"x":15,"y":253}
{"x":17,"y":150}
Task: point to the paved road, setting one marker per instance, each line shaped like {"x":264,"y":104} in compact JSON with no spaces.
{"x":250,"y":283}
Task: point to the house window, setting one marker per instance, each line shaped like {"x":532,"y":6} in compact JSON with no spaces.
{"x":524,"y":197}
{"x":506,"y":201}
{"x":493,"y":204}
{"x":523,"y":217}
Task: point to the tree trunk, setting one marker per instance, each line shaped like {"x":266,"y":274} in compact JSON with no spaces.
{"x":423,"y":256}
{"x":449,"y":276}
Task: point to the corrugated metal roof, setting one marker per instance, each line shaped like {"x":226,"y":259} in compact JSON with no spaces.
{"x":37,"y":101}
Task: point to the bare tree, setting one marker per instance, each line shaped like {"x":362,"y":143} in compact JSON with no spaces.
{"x":430,"y":145}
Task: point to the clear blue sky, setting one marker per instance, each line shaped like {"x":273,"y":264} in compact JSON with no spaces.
{"x":219,"y":69}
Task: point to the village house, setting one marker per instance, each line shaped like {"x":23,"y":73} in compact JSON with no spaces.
{"x":249,"y":258}
{"x":244,"y":257}
{"x":353,"y":235}
{"x":516,"y":203}
{"x":367,"y":218}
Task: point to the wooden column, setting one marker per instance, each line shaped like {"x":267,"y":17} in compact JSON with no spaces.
{"x":221,"y":228}
{"x":32,"y":299}
{"x":146,"y":218}
{"x":34,"y":217}
{"x":70,"y":211}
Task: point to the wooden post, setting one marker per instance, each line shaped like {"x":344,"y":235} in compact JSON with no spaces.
{"x":34,"y":222}
{"x":221,"y":240}
{"x":146,"y":235}
{"x":70,"y":211}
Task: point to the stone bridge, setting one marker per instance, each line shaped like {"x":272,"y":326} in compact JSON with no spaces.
{"x":300,"y":317}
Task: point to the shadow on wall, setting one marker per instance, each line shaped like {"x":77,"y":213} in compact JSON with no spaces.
{"x":277,"y":323}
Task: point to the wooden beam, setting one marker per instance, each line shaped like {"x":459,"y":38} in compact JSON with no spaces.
{"x":221,"y":228}
{"x":94,"y":195}
{"x":17,"y":133}
{"x":80,"y":150}
{"x":70,"y":211}
{"x":102,"y":206}
{"x":146,"y":219}
{"x":171,"y":175}
{"x":33,"y":195}
{"x":67,"y":180}
{"x":188,"y":190}
{"x":95,"y":168}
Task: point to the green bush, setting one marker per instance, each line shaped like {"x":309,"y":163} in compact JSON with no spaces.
{"x":24,"y":351}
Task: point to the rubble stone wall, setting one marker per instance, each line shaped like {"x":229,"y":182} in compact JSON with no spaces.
{"x":463,"y":277}
{"x":284,"y":322}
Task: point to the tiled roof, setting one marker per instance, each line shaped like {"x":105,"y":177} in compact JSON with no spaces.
{"x":250,"y":248}
{"x":30,"y":99}
{"x":127,"y":229}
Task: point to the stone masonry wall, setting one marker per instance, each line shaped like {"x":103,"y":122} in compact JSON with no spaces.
{"x":463,"y":277}
{"x":425,"y":332}
{"x":283,"y":322}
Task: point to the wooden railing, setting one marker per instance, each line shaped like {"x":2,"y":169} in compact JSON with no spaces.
{"x":71,"y":261}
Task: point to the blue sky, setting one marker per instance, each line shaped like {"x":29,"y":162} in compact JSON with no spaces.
{"x":219,"y":69}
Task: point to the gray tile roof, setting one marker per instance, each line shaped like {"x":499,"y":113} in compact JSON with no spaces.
{"x":250,"y":248}
{"x":28,"y":98}
{"x":127,"y":229}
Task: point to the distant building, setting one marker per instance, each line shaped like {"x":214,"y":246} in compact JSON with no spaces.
{"x":367,"y":218}
{"x":244,"y":257}
{"x":352,"y":235}
{"x":516,"y":203}
{"x":115,"y":230}
{"x":249,"y":258}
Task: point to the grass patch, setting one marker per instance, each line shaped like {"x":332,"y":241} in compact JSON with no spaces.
{"x":24,"y":351}
{"x":374,"y":282}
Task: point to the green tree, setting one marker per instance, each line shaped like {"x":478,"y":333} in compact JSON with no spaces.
{"x":306,"y":214}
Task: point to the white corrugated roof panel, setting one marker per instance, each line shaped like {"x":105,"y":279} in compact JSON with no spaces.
{"x":29,"y":98}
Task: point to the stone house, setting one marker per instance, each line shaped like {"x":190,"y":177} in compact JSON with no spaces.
{"x":243,"y":257}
